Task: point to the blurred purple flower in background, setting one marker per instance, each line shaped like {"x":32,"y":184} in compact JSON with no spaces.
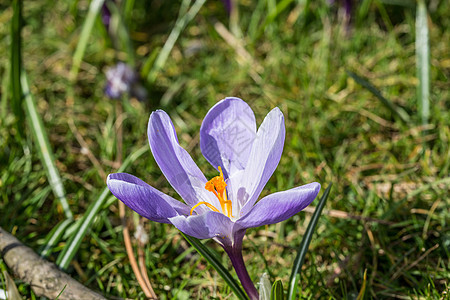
{"x":225,"y":206}
{"x":105,"y":14}
{"x":347,"y":5}
{"x":123,"y":79}
{"x":119,"y":80}
{"x":228,"y":5}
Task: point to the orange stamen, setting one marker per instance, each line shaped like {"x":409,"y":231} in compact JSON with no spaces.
{"x":210,"y":186}
{"x":217,"y":185}
{"x":206,"y":203}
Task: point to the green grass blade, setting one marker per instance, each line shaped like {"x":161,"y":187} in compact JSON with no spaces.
{"x":255,"y":20}
{"x":127,"y":8}
{"x":60,"y":293}
{"x":74,"y":242}
{"x":423,"y":61}
{"x":363,"y":288}
{"x":281,"y":6}
{"x":184,"y":6}
{"x":277,"y":291}
{"x":94,"y":9}
{"x":217,"y":265}
{"x":12,"y":293}
{"x":45,"y":151}
{"x":303,"y":248}
{"x":264,"y":287}
{"x":119,"y":33}
{"x":16,"y":62}
{"x":398,"y":111}
{"x":54,"y":236}
{"x":173,"y":37}
{"x":6,"y":91}
{"x":294,"y":288}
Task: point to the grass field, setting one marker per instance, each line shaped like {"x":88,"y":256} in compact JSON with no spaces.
{"x":388,"y":211}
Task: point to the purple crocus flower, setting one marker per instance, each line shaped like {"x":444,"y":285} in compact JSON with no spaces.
{"x":120,"y":80}
{"x":225,"y":206}
{"x":347,"y":6}
{"x":228,"y":5}
{"x":105,"y":14}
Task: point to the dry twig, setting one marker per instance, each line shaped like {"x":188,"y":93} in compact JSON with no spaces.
{"x":44,"y":277}
{"x":148,"y":291}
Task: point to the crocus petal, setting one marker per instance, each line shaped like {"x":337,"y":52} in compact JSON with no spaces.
{"x":175,"y":163}
{"x":144,"y":199}
{"x":280,"y":206}
{"x":208,"y":225}
{"x":264,"y":159}
{"x":227,"y":134}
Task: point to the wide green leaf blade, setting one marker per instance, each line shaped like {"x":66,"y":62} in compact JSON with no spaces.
{"x":16,"y":62}
{"x":217,"y":265}
{"x":83,"y":226}
{"x":303,"y":248}
{"x":280,"y":7}
{"x":35,"y":123}
{"x":423,"y":61}
{"x":277,"y":291}
{"x":54,"y":236}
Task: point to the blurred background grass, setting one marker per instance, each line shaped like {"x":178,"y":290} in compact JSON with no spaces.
{"x":388,"y":212}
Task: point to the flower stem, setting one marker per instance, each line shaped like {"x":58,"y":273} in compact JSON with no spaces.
{"x":235,"y":254}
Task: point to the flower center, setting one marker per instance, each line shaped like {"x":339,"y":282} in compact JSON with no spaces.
{"x":217,"y":186}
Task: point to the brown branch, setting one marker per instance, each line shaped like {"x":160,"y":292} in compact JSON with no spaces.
{"x":44,"y":277}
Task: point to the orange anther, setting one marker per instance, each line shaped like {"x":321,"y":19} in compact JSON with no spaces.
{"x":209,"y":186}
{"x":217,"y":185}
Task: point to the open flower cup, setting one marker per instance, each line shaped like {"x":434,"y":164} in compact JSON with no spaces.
{"x":225,"y":206}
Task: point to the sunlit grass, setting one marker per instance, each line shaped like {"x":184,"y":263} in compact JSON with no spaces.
{"x":388,"y":209}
